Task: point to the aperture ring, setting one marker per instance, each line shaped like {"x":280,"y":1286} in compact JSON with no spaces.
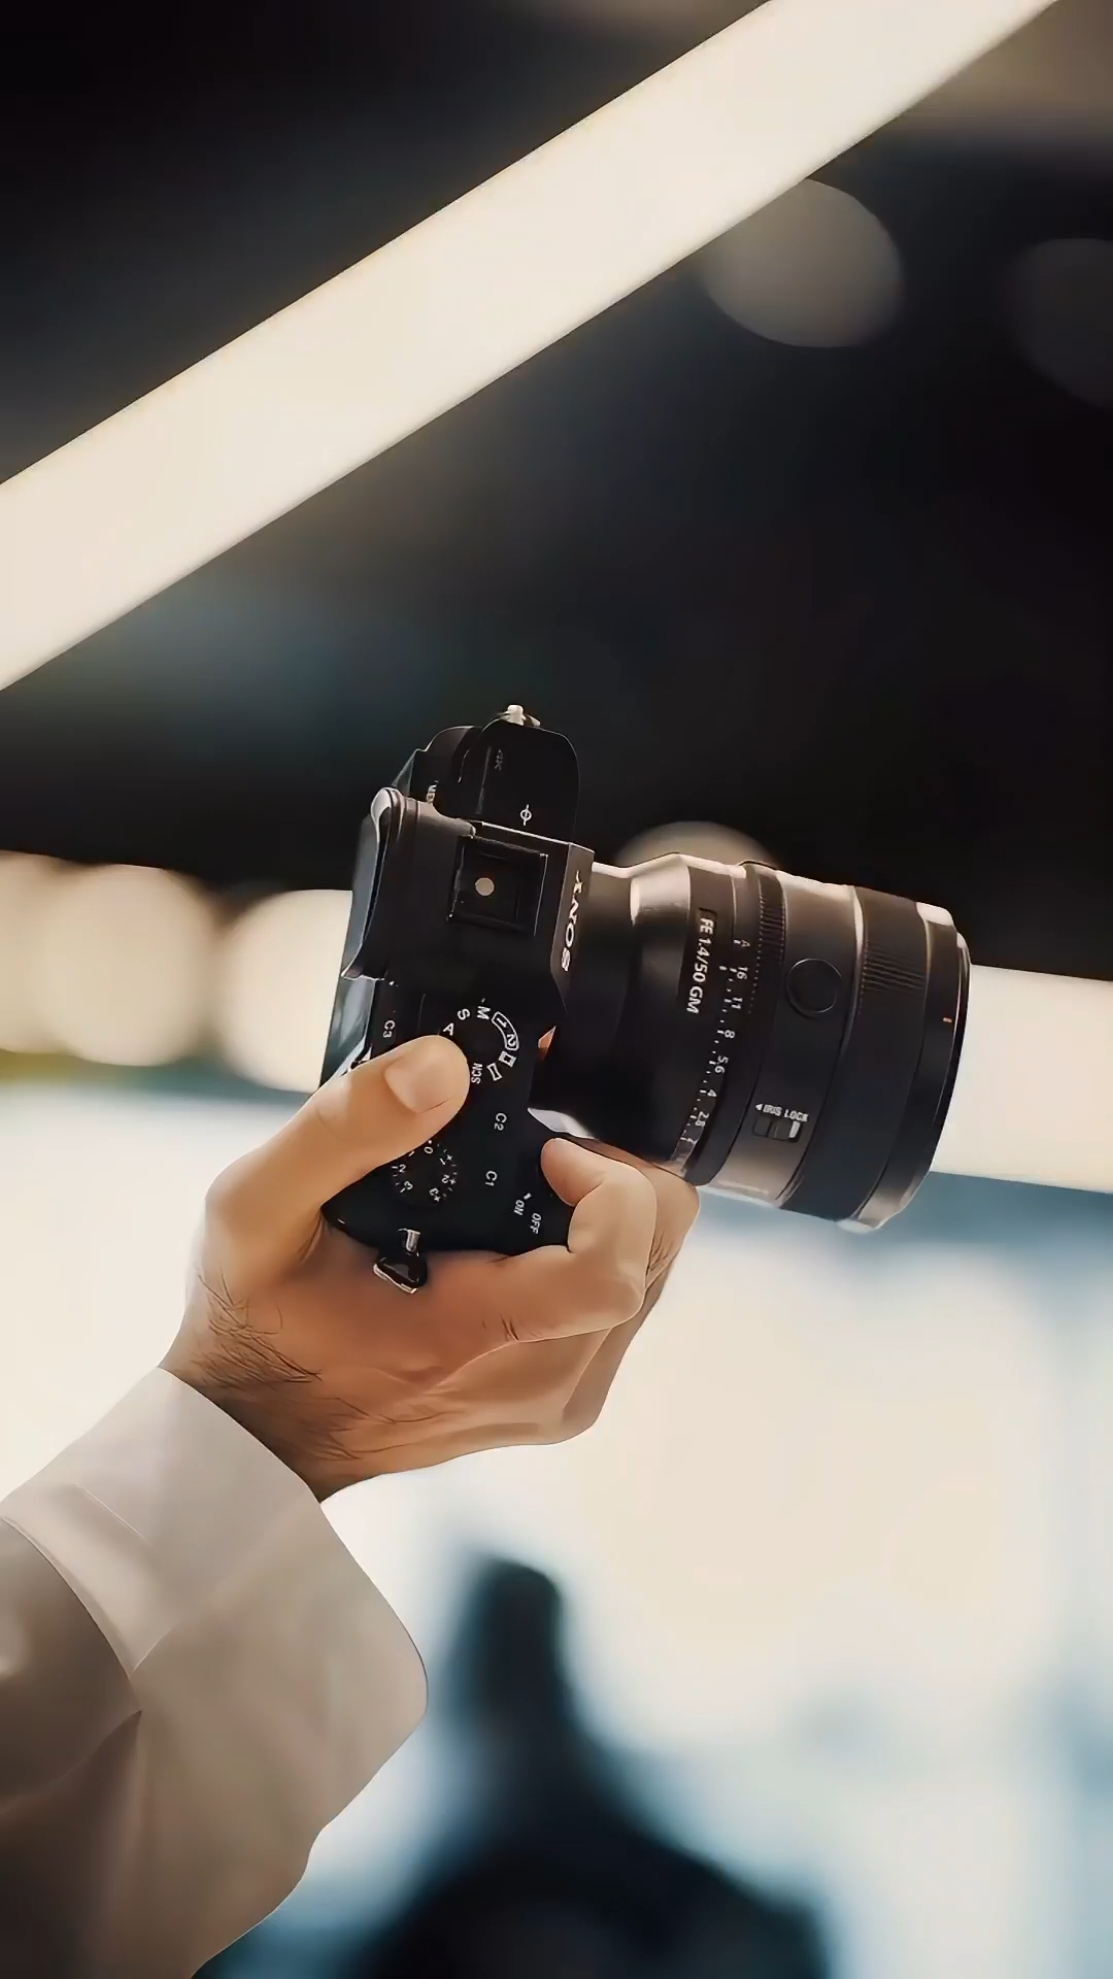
{"x":751,"y":966}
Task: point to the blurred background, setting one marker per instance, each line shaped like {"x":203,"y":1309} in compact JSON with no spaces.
{"x":802,"y":1662}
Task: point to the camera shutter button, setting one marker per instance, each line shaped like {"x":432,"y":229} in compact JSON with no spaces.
{"x":813,"y":986}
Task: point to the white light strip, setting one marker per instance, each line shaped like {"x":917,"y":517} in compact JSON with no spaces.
{"x":1034,"y":1097}
{"x":301,"y":400}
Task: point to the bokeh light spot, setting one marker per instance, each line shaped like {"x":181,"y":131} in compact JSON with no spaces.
{"x":815,"y":268}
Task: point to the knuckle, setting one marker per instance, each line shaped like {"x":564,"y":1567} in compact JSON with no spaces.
{"x":577,"y":1418}
{"x":335,"y":1115}
{"x":678,"y":1214}
{"x":620,"y":1291}
{"x":221,"y":1199}
{"x":663,"y":1254}
{"x":549,"y":1415}
{"x":581,"y":1412}
{"x":684,"y":1201}
{"x":641,"y":1194}
{"x":507,"y":1329}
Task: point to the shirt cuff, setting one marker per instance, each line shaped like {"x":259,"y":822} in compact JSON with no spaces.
{"x":200,"y":1555}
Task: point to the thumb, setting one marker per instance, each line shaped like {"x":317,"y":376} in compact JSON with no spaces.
{"x":264,"y":1212}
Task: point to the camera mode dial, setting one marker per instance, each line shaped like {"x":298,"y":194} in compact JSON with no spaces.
{"x":488,"y":1041}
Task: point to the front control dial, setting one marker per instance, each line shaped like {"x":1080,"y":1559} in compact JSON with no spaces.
{"x":428,"y":1175}
{"x":488,"y":1041}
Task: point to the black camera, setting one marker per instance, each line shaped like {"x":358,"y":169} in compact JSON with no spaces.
{"x":788,"y":1041}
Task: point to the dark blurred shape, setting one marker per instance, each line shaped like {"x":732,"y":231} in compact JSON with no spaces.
{"x":667,"y":18}
{"x":1060,"y":296}
{"x":560,"y":1876}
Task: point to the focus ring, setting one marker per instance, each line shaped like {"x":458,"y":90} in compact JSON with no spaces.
{"x":860,"y":1120}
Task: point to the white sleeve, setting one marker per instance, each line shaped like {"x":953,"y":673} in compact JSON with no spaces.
{"x":173,"y":1739}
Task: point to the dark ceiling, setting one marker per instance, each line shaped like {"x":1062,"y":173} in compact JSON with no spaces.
{"x":856,"y":603}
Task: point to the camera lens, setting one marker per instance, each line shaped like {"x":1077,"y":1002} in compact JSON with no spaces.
{"x":788,"y":1041}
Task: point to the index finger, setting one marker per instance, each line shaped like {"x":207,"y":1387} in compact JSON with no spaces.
{"x":677,"y":1205}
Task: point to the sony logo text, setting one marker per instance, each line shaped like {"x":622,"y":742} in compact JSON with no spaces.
{"x":570,"y":929}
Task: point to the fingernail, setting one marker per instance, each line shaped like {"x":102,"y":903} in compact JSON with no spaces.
{"x":423,"y":1073}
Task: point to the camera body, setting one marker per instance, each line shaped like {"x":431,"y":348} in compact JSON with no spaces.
{"x":465,"y":919}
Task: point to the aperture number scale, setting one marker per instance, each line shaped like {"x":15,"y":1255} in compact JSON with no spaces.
{"x":735,"y":975}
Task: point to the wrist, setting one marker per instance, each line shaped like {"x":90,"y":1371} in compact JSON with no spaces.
{"x":276,"y":1413}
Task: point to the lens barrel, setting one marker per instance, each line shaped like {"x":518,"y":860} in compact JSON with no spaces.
{"x":777,"y":1038}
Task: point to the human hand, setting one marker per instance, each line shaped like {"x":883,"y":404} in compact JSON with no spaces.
{"x":288,"y":1329}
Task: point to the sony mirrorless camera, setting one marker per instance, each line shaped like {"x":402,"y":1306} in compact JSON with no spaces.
{"x":783,"y":1040}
